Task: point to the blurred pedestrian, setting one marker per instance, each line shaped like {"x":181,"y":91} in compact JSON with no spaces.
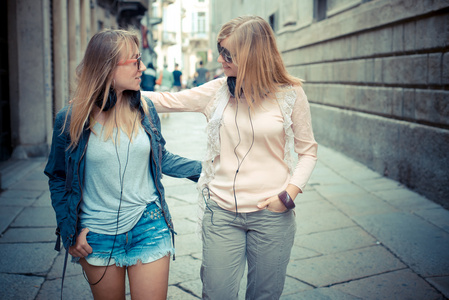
{"x":148,"y":78}
{"x":201,"y":75}
{"x":104,"y":170}
{"x":256,"y":115}
{"x":166,"y":84}
{"x":177,"y":77}
{"x":167,"y":79}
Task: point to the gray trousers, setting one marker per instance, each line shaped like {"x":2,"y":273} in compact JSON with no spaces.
{"x":264,"y":239}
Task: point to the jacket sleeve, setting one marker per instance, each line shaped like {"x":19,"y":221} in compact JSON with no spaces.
{"x":56,"y":169}
{"x":172,"y":164}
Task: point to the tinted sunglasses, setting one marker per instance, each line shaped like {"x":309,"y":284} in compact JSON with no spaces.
{"x":224,"y":53}
{"x":128,"y":61}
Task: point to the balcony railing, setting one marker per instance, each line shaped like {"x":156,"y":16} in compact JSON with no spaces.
{"x":168,"y":37}
{"x":198,"y":36}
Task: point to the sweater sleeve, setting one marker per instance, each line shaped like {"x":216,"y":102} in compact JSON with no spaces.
{"x":304,"y":142}
{"x":197,"y":99}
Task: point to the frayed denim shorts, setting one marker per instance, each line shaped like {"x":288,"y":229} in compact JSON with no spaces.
{"x":148,"y":241}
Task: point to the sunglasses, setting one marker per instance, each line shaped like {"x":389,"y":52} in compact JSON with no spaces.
{"x":132,"y":60}
{"x":224,"y":53}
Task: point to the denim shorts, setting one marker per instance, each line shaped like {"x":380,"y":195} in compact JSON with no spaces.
{"x":148,"y":241}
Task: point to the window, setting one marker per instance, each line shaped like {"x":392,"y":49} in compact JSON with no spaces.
{"x":201,"y":22}
{"x":272,"y":20}
{"x":320,"y":9}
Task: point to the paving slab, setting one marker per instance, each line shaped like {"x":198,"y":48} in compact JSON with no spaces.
{"x":16,"y":201}
{"x":362,"y":204}
{"x":7,"y":215}
{"x":43,"y":200}
{"x":19,"y":258}
{"x":320,"y":294}
{"x":325,"y":221}
{"x":311,"y":195}
{"x":75,"y":287}
{"x":299,"y":252}
{"x":326,"y":270}
{"x":339,"y":190}
{"x":378,"y":184}
{"x":187,"y":244}
{"x":30,"y":185}
{"x":335,"y":241}
{"x":421,"y":245}
{"x":22,"y":194}
{"x":406,"y":200}
{"x":15,"y":170}
{"x":184,"y":211}
{"x":13,"y":286}
{"x":194,"y":287}
{"x":356,"y":172}
{"x":184,"y":268}
{"x":441,"y":283}
{"x":72,"y":269}
{"x":321,"y":171}
{"x":28,"y":235}
{"x":313,"y":209}
{"x":293,"y":286}
{"x":184,"y":226}
{"x":36,"y":217}
{"x":176,"y":293}
{"x":185,"y":189}
{"x":174,"y":202}
{"x":437,"y":216}
{"x":402,"y":284}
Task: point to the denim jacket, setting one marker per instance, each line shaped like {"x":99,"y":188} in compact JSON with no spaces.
{"x":65,"y":170}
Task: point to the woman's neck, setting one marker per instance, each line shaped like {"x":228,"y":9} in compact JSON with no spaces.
{"x":119,"y":96}
{"x":98,"y":115}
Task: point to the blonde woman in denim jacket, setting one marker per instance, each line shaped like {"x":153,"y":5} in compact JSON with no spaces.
{"x":105,"y":167}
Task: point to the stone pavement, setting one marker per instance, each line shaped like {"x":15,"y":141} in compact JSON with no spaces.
{"x":360,"y":235}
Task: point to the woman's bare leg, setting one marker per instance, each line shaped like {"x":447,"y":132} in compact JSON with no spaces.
{"x":149,"y":279}
{"x":111,"y":287}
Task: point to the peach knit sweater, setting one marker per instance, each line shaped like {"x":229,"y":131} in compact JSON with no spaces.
{"x":251,"y":141}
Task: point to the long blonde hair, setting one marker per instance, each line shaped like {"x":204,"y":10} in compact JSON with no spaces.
{"x":261,"y":71}
{"x":95,"y":78}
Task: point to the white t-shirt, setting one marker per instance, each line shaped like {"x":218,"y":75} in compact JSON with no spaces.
{"x":116,"y":176}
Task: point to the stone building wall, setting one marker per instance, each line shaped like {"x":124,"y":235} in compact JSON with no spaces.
{"x":46,"y":41}
{"x":377,"y":77}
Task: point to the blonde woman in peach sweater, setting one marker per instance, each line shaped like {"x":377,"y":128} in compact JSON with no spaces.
{"x":256,"y":115}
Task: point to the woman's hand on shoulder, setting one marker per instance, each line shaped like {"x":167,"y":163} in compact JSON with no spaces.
{"x":81,"y":247}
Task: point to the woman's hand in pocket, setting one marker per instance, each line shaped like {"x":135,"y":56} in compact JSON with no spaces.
{"x":81,"y":247}
{"x":273,"y":204}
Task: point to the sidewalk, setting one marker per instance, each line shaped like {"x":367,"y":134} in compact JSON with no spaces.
{"x":360,"y":235}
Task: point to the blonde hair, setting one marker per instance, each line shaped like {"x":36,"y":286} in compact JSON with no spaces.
{"x":95,"y":78}
{"x":261,"y":71}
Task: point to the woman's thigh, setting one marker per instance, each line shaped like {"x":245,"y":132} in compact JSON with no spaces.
{"x":105,"y":282}
{"x":149,"y":279}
